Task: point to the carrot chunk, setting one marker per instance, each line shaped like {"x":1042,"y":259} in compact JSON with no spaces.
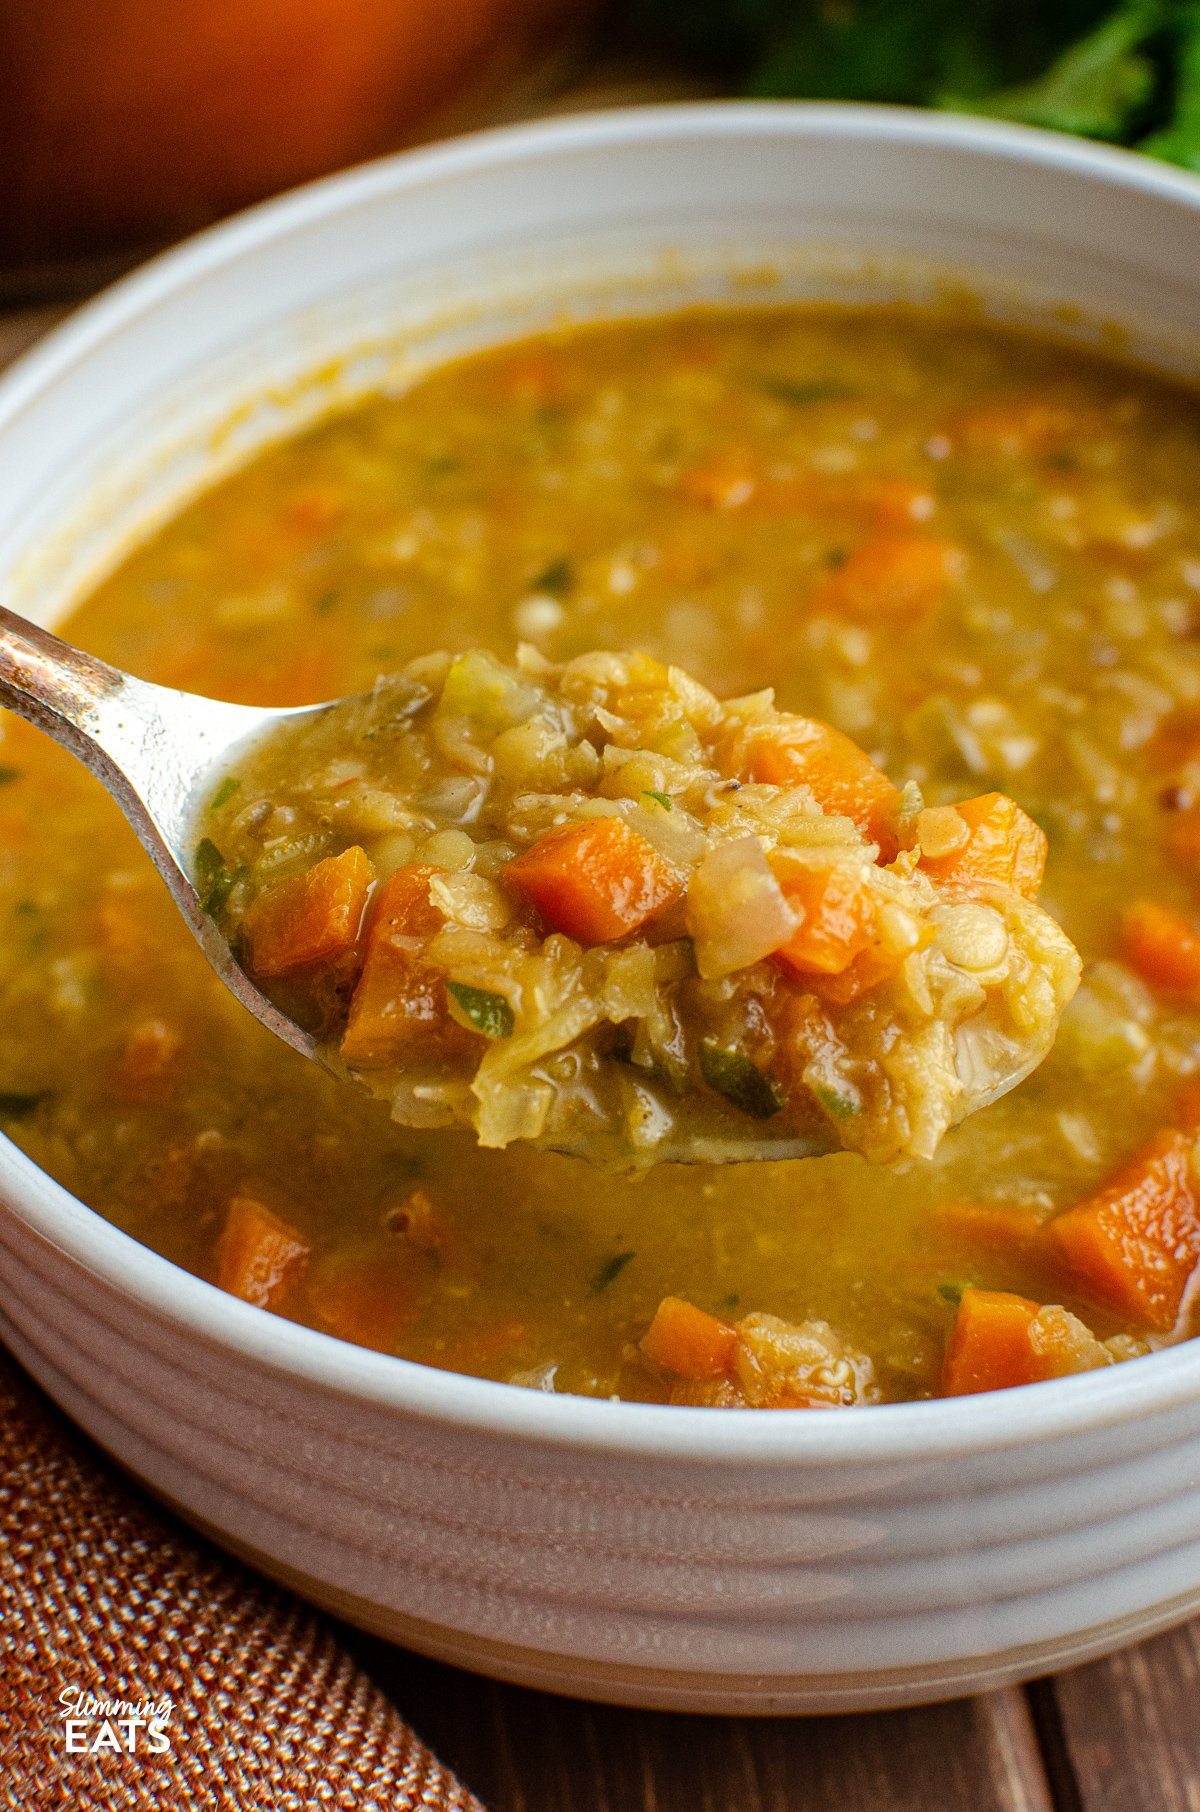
{"x":995,"y":1228}
{"x":1183,"y":839}
{"x":595,"y":881}
{"x":1162,"y":945}
{"x":259,"y":1255}
{"x":990,"y":1346}
{"x":803,"y":751}
{"x":402,"y":907}
{"x":1135,"y":1244}
{"x":1186,"y":1114}
{"x":309,"y":919}
{"x":689,"y":1342}
{"x":838,"y":918}
{"x":1016,"y":427}
{"x":1003,"y":847}
{"x":364,"y":1294}
{"x":400,"y":1006}
{"x":894,"y":578}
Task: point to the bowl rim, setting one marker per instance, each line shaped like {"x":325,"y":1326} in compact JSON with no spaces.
{"x":912,"y":1432}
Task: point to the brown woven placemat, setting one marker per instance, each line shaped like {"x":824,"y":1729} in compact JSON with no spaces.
{"x":235,"y":1694}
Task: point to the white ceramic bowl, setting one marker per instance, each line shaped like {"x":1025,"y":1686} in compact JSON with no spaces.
{"x":662,"y":1556}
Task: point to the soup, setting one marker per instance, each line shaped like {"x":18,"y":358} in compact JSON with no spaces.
{"x":975,"y":554}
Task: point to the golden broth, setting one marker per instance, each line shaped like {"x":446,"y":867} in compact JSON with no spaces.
{"x":547,"y":492}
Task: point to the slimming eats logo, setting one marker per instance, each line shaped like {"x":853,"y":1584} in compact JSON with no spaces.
{"x":93,"y":1726}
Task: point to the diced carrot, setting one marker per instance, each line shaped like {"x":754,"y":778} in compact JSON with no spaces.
{"x":1177,"y":739}
{"x":533,"y":377}
{"x":720,"y":484}
{"x":1183,"y":839}
{"x":399,"y":1006}
{"x":801,"y":751}
{"x":309,"y":919}
{"x":1003,"y":848}
{"x":1134,"y":1245}
{"x":595,"y":881}
{"x":990,"y":1347}
{"x":689,"y":1342}
{"x":1023,"y":425}
{"x":1162,"y":945}
{"x":313,"y":507}
{"x":148,"y":1054}
{"x":259,"y":1255}
{"x":838,"y":917}
{"x":735,"y":481}
{"x":996,"y":1228}
{"x":867,"y":971}
{"x":895,"y":578}
{"x":362,"y":1294}
{"x":1186,"y":1114}
{"x":401,"y":906}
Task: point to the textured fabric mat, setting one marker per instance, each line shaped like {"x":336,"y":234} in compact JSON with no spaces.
{"x":104,"y":1598}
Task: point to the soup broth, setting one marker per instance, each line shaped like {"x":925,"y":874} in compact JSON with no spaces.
{"x":974,"y":553}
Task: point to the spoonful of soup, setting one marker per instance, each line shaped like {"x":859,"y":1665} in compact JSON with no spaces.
{"x":587,"y":905}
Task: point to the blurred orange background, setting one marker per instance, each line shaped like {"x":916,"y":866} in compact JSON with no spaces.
{"x":125,"y":122}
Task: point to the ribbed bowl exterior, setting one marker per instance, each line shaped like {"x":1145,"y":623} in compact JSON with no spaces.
{"x":669,"y":1557}
{"x":705,"y":1581}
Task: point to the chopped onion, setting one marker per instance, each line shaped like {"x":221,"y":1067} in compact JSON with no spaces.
{"x":736,"y":910}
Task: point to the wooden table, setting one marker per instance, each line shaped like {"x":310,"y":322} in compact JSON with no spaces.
{"x":1121,"y":1735}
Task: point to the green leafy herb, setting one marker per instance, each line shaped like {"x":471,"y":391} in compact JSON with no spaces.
{"x":739,"y":1080}
{"x":483,"y":1012}
{"x":1124,"y":70}
{"x":214,"y":878}
{"x":952,"y":1292}
{"x":1098,"y":87}
{"x":610,"y":1270}
{"x":663,"y":799}
{"x":224,"y":792}
{"x":8,"y":774}
{"x":841,"y":1107}
{"x":798,"y":392}
{"x":557,"y":578}
{"x":14,"y":1106}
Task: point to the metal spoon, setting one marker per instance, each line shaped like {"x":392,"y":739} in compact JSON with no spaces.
{"x":158,"y":751}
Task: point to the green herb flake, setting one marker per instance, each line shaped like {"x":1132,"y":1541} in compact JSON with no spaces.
{"x":800,"y":392}
{"x":14,"y":1106}
{"x":839,"y":1106}
{"x":214,"y":879}
{"x":224,"y":792}
{"x":952,"y":1292}
{"x":325,"y":602}
{"x":610,"y":1270}
{"x":482,"y":1012}
{"x":740,"y":1081}
{"x":730,"y":1303}
{"x":8,"y":774}
{"x":663,"y":799}
{"x":557,"y":578}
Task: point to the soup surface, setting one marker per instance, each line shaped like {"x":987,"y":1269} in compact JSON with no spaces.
{"x":975,"y":554}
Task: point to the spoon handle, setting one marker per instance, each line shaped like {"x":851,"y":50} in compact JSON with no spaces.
{"x":57,"y":687}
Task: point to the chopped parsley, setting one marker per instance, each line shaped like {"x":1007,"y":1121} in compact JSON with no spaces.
{"x":610,"y":1270}
{"x":740,"y":1081}
{"x":224,"y":792}
{"x":483,"y":1012}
